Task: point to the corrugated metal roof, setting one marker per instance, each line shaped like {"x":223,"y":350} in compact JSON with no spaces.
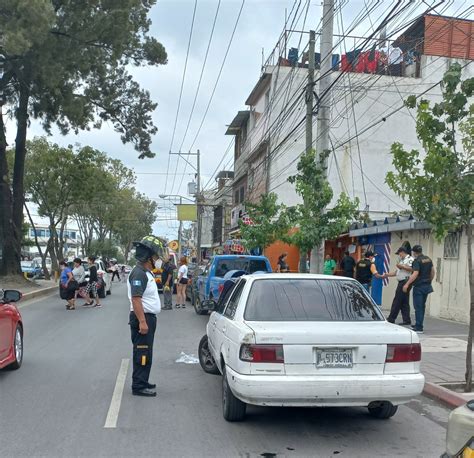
{"x":237,"y":122}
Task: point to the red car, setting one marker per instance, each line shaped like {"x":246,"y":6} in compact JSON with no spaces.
{"x":11,"y":330}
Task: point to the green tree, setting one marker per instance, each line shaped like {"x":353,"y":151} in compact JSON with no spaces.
{"x":135,"y":215}
{"x":445,"y":175}
{"x":316,"y":224}
{"x":271,"y":221}
{"x":53,"y":182}
{"x":66,"y":63}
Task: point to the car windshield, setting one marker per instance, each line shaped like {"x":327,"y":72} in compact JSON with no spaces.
{"x":248,"y":265}
{"x":309,"y":300}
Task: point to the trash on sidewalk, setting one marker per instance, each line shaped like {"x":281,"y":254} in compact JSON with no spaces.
{"x":187,"y":359}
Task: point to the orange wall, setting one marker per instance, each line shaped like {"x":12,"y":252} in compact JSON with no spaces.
{"x":273,"y":252}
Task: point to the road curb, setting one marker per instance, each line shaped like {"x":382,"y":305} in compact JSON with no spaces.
{"x":448,"y":397}
{"x":39,"y":292}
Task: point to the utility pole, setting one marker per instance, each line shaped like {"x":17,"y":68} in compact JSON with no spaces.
{"x":198,"y":196}
{"x":198,"y":207}
{"x":180,"y":234}
{"x":324,"y":110}
{"x":309,"y":114}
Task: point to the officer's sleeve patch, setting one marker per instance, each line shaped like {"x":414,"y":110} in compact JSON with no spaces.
{"x":137,"y":283}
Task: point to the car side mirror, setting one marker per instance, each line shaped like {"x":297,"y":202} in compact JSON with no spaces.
{"x":11,"y":295}
{"x":212,"y":307}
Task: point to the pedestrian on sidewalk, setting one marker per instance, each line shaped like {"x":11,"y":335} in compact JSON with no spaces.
{"x":182,"y":282}
{"x":329,"y":265}
{"x":347,"y":265}
{"x":67,"y":285}
{"x":366,"y":270}
{"x":92,"y":285}
{"x":421,"y":279}
{"x":144,"y":306}
{"x":167,"y":282}
{"x":401,"y":301}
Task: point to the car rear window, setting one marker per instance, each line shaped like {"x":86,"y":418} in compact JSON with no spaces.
{"x":249,"y":265}
{"x":309,"y":300}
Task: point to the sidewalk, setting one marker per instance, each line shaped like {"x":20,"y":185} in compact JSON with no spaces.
{"x":444,"y":351}
{"x":29,"y":288}
{"x":443,"y":359}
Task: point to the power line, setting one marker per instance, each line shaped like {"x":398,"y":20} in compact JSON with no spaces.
{"x":181,"y":89}
{"x":218,"y":76}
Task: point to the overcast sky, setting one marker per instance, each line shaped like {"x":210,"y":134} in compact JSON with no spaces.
{"x":260,"y":25}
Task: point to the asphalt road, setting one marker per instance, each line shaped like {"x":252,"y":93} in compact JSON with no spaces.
{"x":58,"y":402}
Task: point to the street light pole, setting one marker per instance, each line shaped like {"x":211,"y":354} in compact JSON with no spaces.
{"x":198,"y":208}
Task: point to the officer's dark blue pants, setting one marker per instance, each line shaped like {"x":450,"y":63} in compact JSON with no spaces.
{"x":420,"y":294}
{"x":142,"y":350}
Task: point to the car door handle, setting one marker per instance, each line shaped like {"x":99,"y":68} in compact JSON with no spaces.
{"x":224,"y":329}
{"x":214,"y":323}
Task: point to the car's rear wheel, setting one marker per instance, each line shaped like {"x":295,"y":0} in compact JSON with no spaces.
{"x":232,"y":407}
{"x":383,"y":410}
{"x":109,"y":292}
{"x":206,"y":360}
{"x":198,"y":308}
{"x":17,"y":348}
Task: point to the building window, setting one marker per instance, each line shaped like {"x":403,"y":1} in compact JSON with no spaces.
{"x":242,"y":194}
{"x":236,"y":197}
{"x":451,"y":245}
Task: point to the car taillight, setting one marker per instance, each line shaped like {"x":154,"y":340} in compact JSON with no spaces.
{"x":262,"y":353}
{"x":403,"y":353}
{"x":220,"y":288}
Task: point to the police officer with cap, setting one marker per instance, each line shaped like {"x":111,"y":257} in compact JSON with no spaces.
{"x":366,"y":270}
{"x":421,"y":278}
{"x":144,"y":306}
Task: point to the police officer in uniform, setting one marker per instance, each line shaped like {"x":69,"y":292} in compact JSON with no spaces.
{"x":421,"y":278}
{"x":144,"y":306}
{"x":366,"y":270}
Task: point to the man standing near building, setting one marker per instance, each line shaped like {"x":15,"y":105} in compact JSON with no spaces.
{"x":144,"y":306}
{"x":329,"y":265}
{"x":347,"y":265}
{"x":167,"y":281}
{"x":401,"y":301}
{"x":366,"y":270}
{"x":421,"y":278}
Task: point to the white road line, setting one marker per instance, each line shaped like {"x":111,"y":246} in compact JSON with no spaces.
{"x":114,"y":409}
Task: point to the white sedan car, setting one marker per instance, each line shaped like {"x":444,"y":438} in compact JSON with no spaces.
{"x":308,"y":340}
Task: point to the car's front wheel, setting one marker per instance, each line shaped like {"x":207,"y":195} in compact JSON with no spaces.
{"x":206,"y":360}
{"x":383,"y":410}
{"x":198,"y":308}
{"x":17,"y":348}
{"x":233,"y":408}
{"x":101,"y":292}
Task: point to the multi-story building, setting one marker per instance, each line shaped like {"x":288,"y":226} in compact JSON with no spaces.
{"x":367,"y":115}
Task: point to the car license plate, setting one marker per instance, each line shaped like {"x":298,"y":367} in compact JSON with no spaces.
{"x":334,"y":357}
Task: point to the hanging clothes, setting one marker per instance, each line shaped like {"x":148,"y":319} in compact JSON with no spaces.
{"x":293,"y":56}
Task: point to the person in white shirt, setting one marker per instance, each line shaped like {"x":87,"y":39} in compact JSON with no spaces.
{"x":401,"y":301}
{"x":182,"y":282}
{"x":393,"y":57}
{"x":145,"y":304}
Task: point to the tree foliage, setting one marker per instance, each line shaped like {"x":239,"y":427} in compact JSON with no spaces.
{"x":439,"y":184}
{"x":314,"y":220}
{"x":270,"y":221}
{"x":68,"y":64}
{"x":83,"y":184}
